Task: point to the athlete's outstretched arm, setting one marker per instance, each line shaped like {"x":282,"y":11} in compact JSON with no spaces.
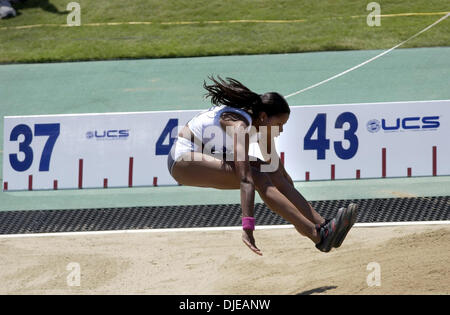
{"x":247,"y":186}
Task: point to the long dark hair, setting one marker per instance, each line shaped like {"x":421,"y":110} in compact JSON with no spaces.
{"x":231,"y":92}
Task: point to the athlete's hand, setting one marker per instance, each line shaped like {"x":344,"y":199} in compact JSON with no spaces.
{"x":249,"y":240}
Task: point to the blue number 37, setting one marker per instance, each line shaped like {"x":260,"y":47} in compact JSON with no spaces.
{"x":50,"y":130}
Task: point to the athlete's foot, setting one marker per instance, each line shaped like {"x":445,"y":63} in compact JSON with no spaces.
{"x":333,"y":231}
{"x":351,"y":215}
{"x":328,"y":232}
{"x":319,"y":226}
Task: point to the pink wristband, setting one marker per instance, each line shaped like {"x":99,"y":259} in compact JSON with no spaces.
{"x":248,"y":223}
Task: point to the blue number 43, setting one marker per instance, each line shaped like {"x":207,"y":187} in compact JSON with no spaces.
{"x":321,"y":144}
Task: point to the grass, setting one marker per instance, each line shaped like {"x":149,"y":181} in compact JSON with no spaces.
{"x":328,"y":25}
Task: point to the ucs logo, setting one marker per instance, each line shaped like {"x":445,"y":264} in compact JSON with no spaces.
{"x":407,"y":123}
{"x":108,"y":134}
{"x":373,"y":125}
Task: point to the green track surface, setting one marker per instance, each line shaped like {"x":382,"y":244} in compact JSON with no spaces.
{"x":176,"y":84}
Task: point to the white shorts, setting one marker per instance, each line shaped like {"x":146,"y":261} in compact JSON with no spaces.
{"x":179,"y":147}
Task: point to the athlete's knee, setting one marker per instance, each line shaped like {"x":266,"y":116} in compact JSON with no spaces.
{"x":276,"y":175}
{"x":262,"y":181}
{"x":266,"y":167}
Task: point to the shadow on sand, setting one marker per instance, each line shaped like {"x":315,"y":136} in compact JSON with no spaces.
{"x":317,"y":290}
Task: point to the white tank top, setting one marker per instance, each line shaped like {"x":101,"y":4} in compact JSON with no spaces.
{"x":206,"y":127}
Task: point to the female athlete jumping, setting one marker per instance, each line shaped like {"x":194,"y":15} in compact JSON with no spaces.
{"x":212,"y":151}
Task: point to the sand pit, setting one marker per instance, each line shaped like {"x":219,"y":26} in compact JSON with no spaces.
{"x":413,"y":260}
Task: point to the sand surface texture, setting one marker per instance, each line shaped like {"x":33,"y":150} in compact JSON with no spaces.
{"x":411,"y":260}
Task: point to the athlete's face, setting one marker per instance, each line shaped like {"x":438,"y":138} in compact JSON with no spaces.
{"x":277,"y":121}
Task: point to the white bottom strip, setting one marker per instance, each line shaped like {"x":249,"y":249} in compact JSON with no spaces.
{"x":210,"y":229}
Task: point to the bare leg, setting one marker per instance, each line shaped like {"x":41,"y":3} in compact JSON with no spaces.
{"x":204,"y":171}
{"x":280,"y":204}
{"x":216,"y":173}
{"x":295,"y":197}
